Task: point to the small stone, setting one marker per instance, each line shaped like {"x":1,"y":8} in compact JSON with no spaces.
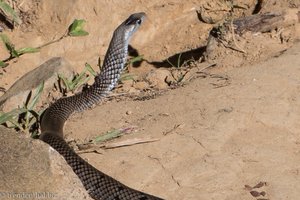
{"x":263,"y":193}
{"x":164,"y":114}
{"x":128,"y":112}
{"x":255,"y":193}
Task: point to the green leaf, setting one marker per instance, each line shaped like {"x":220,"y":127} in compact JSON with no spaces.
{"x":3,"y":64}
{"x":4,"y":117}
{"x":76,"y":28}
{"x":9,"y":46}
{"x":36,"y":97}
{"x":9,"y":13}
{"x":28,"y":119}
{"x":108,"y":136}
{"x":126,"y":76}
{"x":25,"y":117}
{"x":4,"y":38}
{"x":90,"y":69}
{"x":79,"y":79}
{"x":179,"y":61}
{"x":27,"y":50}
{"x":66,"y":82}
{"x":136,"y":59}
{"x":12,"y":51}
{"x":78,"y":33}
{"x":113,"y":134}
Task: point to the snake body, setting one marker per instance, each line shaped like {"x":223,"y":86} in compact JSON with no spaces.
{"x":99,"y":185}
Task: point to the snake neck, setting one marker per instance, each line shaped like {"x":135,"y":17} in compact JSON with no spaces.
{"x":114,"y":62}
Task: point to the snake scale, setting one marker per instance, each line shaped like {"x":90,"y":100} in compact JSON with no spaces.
{"x":99,"y":185}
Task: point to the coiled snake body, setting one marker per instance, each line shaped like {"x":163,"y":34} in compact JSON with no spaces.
{"x":99,"y":185}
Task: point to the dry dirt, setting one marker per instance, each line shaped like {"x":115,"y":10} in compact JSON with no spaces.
{"x":225,"y":131}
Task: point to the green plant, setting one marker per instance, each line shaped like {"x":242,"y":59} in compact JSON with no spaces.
{"x":112,"y":134}
{"x":178,"y":64}
{"x":126,"y":75}
{"x":181,"y":62}
{"x":180,"y":77}
{"x":78,"y":80}
{"x":25,"y":118}
{"x":3,"y":64}
{"x":8,"y":12}
{"x":179,"y":73}
{"x":135,"y":59}
{"x":75,"y":29}
{"x":13,"y":51}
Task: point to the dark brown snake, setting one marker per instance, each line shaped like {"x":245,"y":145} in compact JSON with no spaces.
{"x":99,"y":185}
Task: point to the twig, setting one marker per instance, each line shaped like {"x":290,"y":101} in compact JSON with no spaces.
{"x":129,"y":142}
{"x":54,"y":41}
{"x":207,"y":67}
{"x":230,"y":47}
{"x":88,"y":151}
{"x":176,"y":126}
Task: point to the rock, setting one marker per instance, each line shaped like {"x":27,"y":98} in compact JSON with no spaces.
{"x":48,"y":72}
{"x":31,"y":169}
{"x":128,"y":112}
{"x":157,"y":78}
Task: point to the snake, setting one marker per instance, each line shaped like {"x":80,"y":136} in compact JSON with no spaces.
{"x":99,"y":185}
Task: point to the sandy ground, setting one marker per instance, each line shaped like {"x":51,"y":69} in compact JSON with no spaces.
{"x":241,"y":134}
{"x":213,"y":142}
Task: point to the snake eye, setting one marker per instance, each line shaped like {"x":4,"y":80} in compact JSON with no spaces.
{"x":139,"y":21}
{"x":133,"y":21}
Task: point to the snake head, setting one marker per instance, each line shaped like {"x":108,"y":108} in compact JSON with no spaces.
{"x":131,"y":24}
{"x":135,"y":19}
